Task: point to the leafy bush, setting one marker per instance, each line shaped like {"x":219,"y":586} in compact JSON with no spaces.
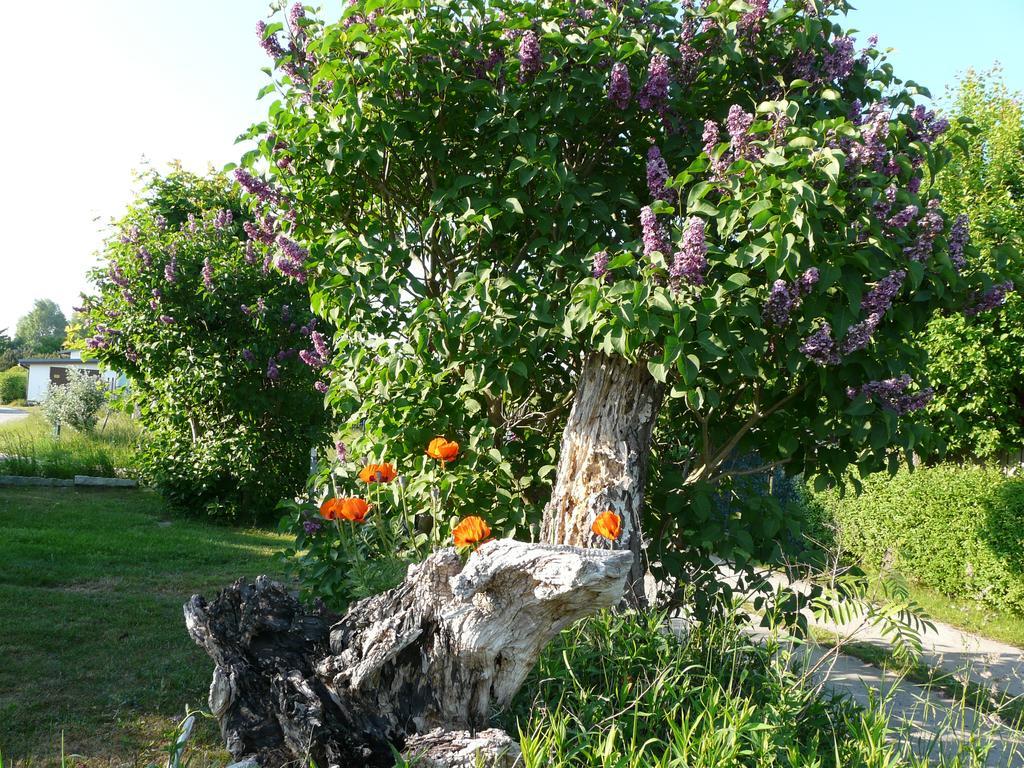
{"x":13,"y":384}
{"x":957,"y":529}
{"x":724,"y":197}
{"x":976,"y":362}
{"x":76,"y":403}
{"x":190,"y":309}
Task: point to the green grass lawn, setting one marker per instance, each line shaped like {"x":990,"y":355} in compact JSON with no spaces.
{"x":92,"y":640}
{"x":28,"y":447}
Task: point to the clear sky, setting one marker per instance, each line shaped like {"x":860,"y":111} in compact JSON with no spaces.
{"x":95,"y":88}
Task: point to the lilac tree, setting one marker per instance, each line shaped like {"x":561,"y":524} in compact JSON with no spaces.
{"x":679,"y":235}
{"x":200,"y":316}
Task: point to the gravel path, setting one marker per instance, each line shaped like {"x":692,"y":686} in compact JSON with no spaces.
{"x":931,"y":722}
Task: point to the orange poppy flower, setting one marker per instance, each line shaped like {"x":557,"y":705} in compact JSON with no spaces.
{"x":353,"y":509}
{"x":329,"y":509}
{"x":607,"y":524}
{"x":443,"y":450}
{"x":378,"y":473}
{"x":471,"y":530}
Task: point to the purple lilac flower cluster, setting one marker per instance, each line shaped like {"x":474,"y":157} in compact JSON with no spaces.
{"x":223,"y":219}
{"x":993,"y":298}
{"x":269,"y":43}
{"x":892,"y":394}
{"x":690,"y":263}
{"x":273,"y":373}
{"x":167,"y":319}
{"x":752,"y":22}
{"x":600,"y":264}
{"x":959,"y":239}
{"x":292,"y":261}
{"x":653,"y":233}
{"x":208,"y":274}
{"x":902,"y":219}
{"x":256,"y":187}
{"x":320,"y":345}
{"x":784,"y":299}
{"x":312,"y":527}
{"x":689,"y":56}
{"x":654,"y":93}
{"x":130,"y":235}
{"x":871,"y":151}
{"x":738,"y":125}
{"x":488,"y":64}
{"x":146,"y":257}
{"x":879,"y":299}
{"x":619,"y":92}
{"x":116,"y":275}
{"x":837,"y":63}
{"x":248,"y":356}
{"x":858,"y":336}
{"x":820,"y":347}
{"x":341,"y":450}
{"x":928,"y":126}
{"x":529,"y":56}
{"x":657,"y":174}
{"x":321,"y":386}
{"x":295,"y":16}
{"x":710,"y":137}
{"x":261,"y":232}
{"x":171,"y":270}
{"x":928,"y":228}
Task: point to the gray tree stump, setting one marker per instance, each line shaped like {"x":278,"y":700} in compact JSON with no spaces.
{"x":418,"y":669}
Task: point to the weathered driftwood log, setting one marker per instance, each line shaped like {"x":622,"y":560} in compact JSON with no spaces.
{"x":420,"y":668}
{"x":602,"y":464}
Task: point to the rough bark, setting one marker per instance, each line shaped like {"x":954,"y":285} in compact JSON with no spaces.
{"x":420,"y":668}
{"x":603,"y":460}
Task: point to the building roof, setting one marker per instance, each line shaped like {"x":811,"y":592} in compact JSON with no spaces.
{"x":63,"y":360}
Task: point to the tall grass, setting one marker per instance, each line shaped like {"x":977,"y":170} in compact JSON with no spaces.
{"x":623,"y":692}
{"x":28,"y":447}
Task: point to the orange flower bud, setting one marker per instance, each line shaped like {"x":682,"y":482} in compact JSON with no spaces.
{"x":353,"y":509}
{"x":378,"y":473}
{"x":442,"y":449}
{"x":471,"y":530}
{"x":607,"y":524}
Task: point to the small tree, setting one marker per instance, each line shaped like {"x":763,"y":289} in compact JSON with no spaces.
{"x":210,"y":335}
{"x":691,"y":231}
{"x":41,"y":331}
{"x":77,"y":403}
{"x":975,"y":358}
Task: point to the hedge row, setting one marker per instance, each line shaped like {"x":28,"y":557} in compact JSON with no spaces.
{"x":13,"y":385}
{"x":957,"y":529}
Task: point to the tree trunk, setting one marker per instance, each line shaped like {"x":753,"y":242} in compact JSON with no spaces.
{"x":419,"y":668}
{"x":603,"y":460}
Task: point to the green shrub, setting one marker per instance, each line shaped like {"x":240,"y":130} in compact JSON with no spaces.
{"x":217,"y":347}
{"x":75,"y":404}
{"x":13,"y":385}
{"x":957,"y":529}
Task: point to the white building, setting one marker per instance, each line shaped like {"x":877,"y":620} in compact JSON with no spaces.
{"x":44,"y":371}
